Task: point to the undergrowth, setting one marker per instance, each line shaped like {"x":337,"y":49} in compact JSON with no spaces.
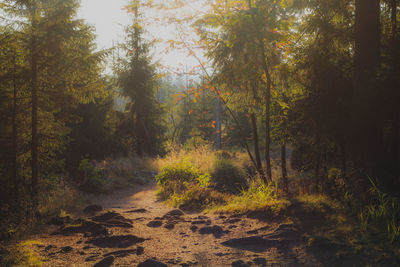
{"x":259,"y":197}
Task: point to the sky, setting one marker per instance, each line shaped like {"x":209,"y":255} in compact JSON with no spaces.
{"x":109,"y":20}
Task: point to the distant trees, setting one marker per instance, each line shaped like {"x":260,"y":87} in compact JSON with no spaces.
{"x":322,"y":73}
{"x":49,"y":66}
{"x":138,"y":82}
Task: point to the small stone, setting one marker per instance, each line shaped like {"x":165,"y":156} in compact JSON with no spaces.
{"x":66,"y":249}
{"x":154,"y":224}
{"x":106,"y":262}
{"x":169,"y":226}
{"x":239,"y":263}
{"x":151,"y":263}
{"x":49,"y":247}
{"x":193,"y":228}
{"x":91,"y":209}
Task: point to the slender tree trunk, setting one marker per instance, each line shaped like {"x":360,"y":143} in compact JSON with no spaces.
{"x":34,"y":88}
{"x":217,"y":124}
{"x":283,"y":168}
{"x":267,"y":96}
{"x":254,"y":129}
{"x":343,"y":152}
{"x":317,"y":172}
{"x":14,"y":134}
{"x":367,"y":136}
{"x":396,"y":115}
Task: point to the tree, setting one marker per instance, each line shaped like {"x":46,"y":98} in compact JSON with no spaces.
{"x":136,"y":76}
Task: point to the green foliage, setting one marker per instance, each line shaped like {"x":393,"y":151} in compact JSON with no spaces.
{"x":227,"y":177}
{"x":382,"y":214}
{"x":183,"y":171}
{"x":259,"y":197}
{"x":195,"y":142}
{"x":92,"y":181}
{"x":195,"y":196}
{"x":138,"y":82}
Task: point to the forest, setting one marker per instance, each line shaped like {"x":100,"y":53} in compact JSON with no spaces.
{"x":291,"y":103}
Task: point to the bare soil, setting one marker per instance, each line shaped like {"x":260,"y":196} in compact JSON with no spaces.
{"x":134,"y":227}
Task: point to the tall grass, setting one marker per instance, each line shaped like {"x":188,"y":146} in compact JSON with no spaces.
{"x":382,"y":213}
{"x":258,"y":197}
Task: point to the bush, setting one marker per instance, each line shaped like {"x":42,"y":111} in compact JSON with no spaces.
{"x":197,"y":197}
{"x":182,"y":171}
{"x":227,"y":177}
{"x":382,"y":214}
{"x":258,"y":198}
{"x":91,"y":181}
{"x":175,"y":178}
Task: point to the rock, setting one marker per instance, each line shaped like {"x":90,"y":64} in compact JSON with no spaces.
{"x":92,"y":209}
{"x":59,"y":220}
{"x":66,"y":249}
{"x":234,"y":220}
{"x":169,"y":226}
{"x":260,"y":261}
{"x":193,"y":228}
{"x":123,"y":253}
{"x":151,"y":263}
{"x":113,"y":219}
{"x":122,"y":241}
{"x":87,"y":247}
{"x":91,"y":258}
{"x":215,"y":230}
{"x":222,"y":217}
{"x":106,"y":262}
{"x":154,"y":224}
{"x":252,"y":243}
{"x":239,"y":263}
{"x":49,"y":247}
{"x":82,"y":226}
{"x":173,"y":214}
{"x":184,"y":265}
{"x":137,"y":211}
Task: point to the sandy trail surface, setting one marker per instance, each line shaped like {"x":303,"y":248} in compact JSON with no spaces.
{"x":134,"y":227}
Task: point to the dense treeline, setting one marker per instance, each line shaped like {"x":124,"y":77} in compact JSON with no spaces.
{"x":319,"y":76}
{"x":315,"y":80}
{"x":58,"y":109}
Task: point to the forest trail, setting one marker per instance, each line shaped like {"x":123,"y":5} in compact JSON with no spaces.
{"x":134,"y":227}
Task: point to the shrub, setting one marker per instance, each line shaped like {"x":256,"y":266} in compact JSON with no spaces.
{"x":227,"y":177}
{"x":258,"y":197}
{"x":92,"y":181}
{"x":182,"y":171}
{"x":382,"y":214}
{"x":197,"y":197}
{"x":174,"y":178}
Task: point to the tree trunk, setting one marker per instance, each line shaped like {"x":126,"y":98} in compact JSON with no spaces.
{"x":317,"y":173}
{"x":254,"y":129}
{"x":217,"y":124}
{"x":267,"y":96}
{"x":34,"y":88}
{"x":396,"y":115}
{"x":284,"y":169}
{"x":14,"y":135}
{"x":367,"y":39}
{"x":366,"y":139}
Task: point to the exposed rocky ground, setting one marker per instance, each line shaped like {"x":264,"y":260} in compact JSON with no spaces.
{"x":130,"y":228}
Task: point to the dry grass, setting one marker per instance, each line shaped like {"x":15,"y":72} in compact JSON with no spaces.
{"x":201,"y":157}
{"x":21,"y":255}
{"x":259,"y":197}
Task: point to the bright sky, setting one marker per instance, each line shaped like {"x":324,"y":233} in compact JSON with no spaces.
{"x":109,"y":19}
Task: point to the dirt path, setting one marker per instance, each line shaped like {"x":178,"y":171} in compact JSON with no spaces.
{"x":135,"y":227}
